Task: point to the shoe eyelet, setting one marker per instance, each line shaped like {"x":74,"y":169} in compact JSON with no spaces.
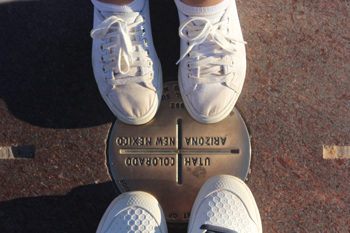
{"x":188,"y":43}
{"x":147,"y":51}
{"x":189,"y":66}
{"x":145,"y":42}
{"x":104,"y":69}
{"x":149,"y":63}
{"x":102,"y":58}
{"x":143,"y":19}
{"x":151,"y":74}
{"x":101,"y":47}
{"x":143,"y":31}
{"x":106,"y":78}
{"x":232,"y":62}
{"x":186,"y":32}
{"x":189,"y":75}
{"x":188,"y":55}
{"x":227,"y":30}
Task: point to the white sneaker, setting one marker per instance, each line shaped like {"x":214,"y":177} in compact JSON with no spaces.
{"x":213,"y":63}
{"x":126,"y":67}
{"x":133,"y":212}
{"x":224,"y":204}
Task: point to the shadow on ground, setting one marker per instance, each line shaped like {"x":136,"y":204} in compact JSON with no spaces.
{"x":78,"y":211}
{"x":45,"y":65}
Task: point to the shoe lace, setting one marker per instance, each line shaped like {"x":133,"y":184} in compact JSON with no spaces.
{"x":209,"y":43}
{"x":121,"y":40}
{"x":216,"y":229}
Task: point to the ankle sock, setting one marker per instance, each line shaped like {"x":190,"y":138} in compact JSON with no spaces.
{"x":135,"y":6}
{"x":202,"y":11}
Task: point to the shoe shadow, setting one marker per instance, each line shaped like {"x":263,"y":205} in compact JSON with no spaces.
{"x":45,"y":63}
{"x":78,"y":211}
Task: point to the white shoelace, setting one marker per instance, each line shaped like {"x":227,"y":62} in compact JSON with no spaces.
{"x":210,"y":44}
{"x":121,"y":40}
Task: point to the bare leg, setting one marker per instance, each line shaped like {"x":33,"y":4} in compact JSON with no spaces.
{"x":201,"y":3}
{"x":117,"y":2}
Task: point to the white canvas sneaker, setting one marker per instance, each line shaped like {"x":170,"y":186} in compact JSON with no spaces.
{"x":126,"y":67}
{"x":133,"y":212}
{"x":213,"y":63}
{"x":225,"y":204}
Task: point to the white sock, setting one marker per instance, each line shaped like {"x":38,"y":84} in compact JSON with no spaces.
{"x":202,"y":11}
{"x":135,"y":6}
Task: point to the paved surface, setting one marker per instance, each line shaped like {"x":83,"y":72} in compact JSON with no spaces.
{"x":295,"y":100}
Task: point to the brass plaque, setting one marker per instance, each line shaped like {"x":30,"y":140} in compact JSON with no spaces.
{"x":173,"y":155}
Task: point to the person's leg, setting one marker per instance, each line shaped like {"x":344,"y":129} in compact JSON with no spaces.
{"x":133,"y":212}
{"x":225,"y":204}
{"x":117,"y":2}
{"x":213,"y":61}
{"x":200,"y":3}
{"x":126,"y":66}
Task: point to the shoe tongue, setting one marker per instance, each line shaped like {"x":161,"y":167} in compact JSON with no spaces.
{"x":128,"y":17}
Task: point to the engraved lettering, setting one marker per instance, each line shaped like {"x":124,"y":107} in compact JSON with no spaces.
{"x":165,"y":89}
{"x":165,"y":97}
{"x":172,"y":105}
{"x":165,"y":141}
{"x":133,"y":141}
{"x":141,"y":141}
{"x":124,"y":184}
{"x":142,"y":160}
{"x":172,"y":162}
{"x":172,"y":141}
{"x":201,"y":141}
{"x":155,"y":162}
{"x":128,"y":161}
{"x":177,"y":95}
{"x":216,"y":141}
{"x":172,"y":215}
{"x":187,"y":141}
{"x":161,"y":161}
{"x":159,"y":141}
{"x":186,"y":215}
{"x":119,"y":141}
{"x":194,"y":141}
{"x":148,"y":161}
{"x":135,"y":162}
{"x":207,"y":141}
{"x":166,"y":161}
{"x":176,"y":87}
{"x":194,"y":161}
{"x":223,"y":140}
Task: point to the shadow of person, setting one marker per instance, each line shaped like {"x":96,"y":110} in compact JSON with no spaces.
{"x":45,"y":63}
{"x":78,"y":211}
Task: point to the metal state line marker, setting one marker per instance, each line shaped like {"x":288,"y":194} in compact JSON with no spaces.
{"x":179,"y":151}
{"x":173,"y":155}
